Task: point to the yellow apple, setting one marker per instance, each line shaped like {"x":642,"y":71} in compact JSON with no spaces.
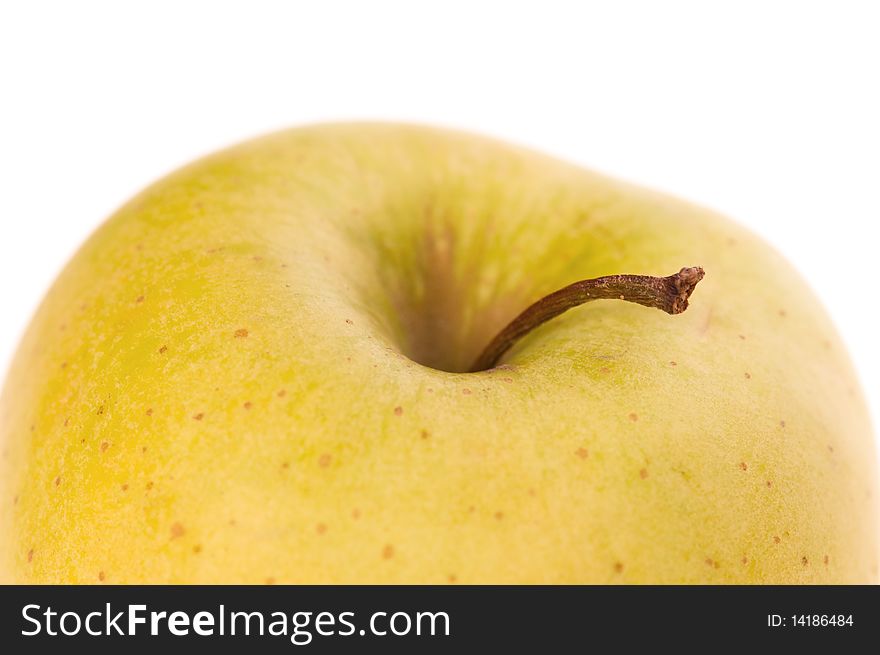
{"x":256,"y":371}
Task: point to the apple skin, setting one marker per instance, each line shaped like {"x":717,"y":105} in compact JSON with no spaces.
{"x":226,"y":384}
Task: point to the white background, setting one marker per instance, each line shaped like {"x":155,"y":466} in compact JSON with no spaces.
{"x":766,"y":111}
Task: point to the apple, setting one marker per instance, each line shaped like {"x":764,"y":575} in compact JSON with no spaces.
{"x":327,"y":356}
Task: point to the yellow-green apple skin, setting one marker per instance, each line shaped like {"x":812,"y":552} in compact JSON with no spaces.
{"x":252,"y":373}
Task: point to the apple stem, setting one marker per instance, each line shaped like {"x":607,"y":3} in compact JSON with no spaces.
{"x":667,"y":293}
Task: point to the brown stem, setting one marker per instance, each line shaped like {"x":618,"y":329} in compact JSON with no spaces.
{"x":667,"y":293}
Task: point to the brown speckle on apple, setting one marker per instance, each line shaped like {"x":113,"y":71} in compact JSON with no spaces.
{"x":643,"y":474}
{"x":104,"y":446}
{"x":583,"y":453}
{"x":321,"y":528}
{"x":199,"y":416}
{"x":466,"y":392}
{"x":398,"y":411}
{"x":633,"y":417}
{"x":163,"y":350}
{"x":324,"y":460}
{"x":101,"y":576}
{"x":618,"y":567}
{"x":30,"y":555}
{"x":241,"y":333}
{"x":177,"y":530}
{"x":388,"y":551}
